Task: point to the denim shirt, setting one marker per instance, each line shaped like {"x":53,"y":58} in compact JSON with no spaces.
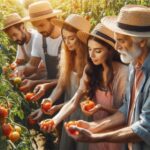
{"x":140,"y":122}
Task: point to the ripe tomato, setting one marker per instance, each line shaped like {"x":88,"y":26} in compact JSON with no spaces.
{"x":17,"y":80}
{"x":5,"y":69}
{"x":31,"y":121}
{"x":11,"y":75}
{"x":88,"y":105}
{"x":13,"y":66}
{"x":3,"y":112}
{"x":46,"y":123}
{"x":14,"y":136}
{"x":7,"y":129}
{"x":17,"y":128}
{"x":21,"y":88}
{"x":72,"y":131}
{"x":46,"y":106}
{"x":29,"y":96}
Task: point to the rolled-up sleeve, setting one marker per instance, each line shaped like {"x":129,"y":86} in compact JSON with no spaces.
{"x":142,"y":127}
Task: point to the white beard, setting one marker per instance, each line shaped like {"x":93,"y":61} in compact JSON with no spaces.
{"x":128,"y":57}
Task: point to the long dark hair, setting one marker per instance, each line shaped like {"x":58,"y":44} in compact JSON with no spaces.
{"x":94,"y":72}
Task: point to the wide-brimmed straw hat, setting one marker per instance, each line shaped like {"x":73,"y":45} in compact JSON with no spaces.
{"x":132,"y":20}
{"x":41,"y":10}
{"x":74,"y":20}
{"x":100,"y":32}
{"x":11,"y":20}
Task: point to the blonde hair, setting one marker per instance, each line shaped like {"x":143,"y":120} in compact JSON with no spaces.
{"x":67,"y":63}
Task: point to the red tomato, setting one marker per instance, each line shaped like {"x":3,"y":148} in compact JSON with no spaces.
{"x":21,"y":88}
{"x":11,"y":75}
{"x":72,"y":131}
{"x":3,"y":112}
{"x":29,"y":96}
{"x":46,"y":123}
{"x":7,"y":129}
{"x":14,"y":136}
{"x":46,"y":106}
{"x":13,"y":66}
{"x":88,"y":105}
{"x":31,"y":121}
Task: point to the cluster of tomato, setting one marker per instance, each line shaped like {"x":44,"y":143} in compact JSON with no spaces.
{"x":13,"y":133}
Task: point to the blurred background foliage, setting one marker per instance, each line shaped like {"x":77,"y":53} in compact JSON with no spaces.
{"x":91,"y":9}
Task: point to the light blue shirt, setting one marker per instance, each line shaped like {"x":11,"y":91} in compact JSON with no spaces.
{"x":140,"y":122}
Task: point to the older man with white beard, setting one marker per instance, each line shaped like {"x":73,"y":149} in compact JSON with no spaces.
{"x":132,"y":34}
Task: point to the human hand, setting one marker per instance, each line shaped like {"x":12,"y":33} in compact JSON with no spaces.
{"x":40,"y":91}
{"x":47,"y":125}
{"x":27,"y":85}
{"x":37,"y":114}
{"x":91,"y":111}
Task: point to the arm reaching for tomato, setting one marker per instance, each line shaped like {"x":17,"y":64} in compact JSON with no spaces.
{"x":41,"y":89}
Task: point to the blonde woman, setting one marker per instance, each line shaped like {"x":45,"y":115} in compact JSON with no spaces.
{"x":73,"y":59}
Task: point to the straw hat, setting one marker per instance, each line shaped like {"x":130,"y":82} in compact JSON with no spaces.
{"x":100,"y":32}
{"x":133,"y":20}
{"x":12,"y":19}
{"x":41,"y":10}
{"x":74,"y":20}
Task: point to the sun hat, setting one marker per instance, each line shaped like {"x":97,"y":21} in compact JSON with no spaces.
{"x":12,"y":19}
{"x":74,"y":20}
{"x":132,"y":20}
{"x":100,"y":32}
{"x":41,"y":10}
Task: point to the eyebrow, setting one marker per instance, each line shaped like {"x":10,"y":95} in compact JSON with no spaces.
{"x":96,"y":48}
{"x":69,"y":36}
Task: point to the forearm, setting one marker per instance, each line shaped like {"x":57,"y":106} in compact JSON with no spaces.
{"x":123,"y":135}
{"x":32,"y":66}
{"x":109,"y":123}
{"x":68,"y":108}
{"x":38,"y":75}
{"x":48,"y":82}
{"x":109,"y":110}
{"x":20,"y":62}
{"x":57,"y":92}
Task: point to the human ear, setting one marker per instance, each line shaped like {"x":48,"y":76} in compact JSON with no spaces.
{"x":143,"y":43}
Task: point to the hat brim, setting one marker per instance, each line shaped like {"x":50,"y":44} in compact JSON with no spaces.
{"x":50,"y":15}
{"x":21,"y":21}
{"x":61,"y":23}
{"x":83,"y":36}
{"x":111,"y":23}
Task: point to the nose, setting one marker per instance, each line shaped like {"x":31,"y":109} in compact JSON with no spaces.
{"x":14,"y":38}
{"x":91,"y":53}
{"x":67,"y":41}
{"x":117,"y":46}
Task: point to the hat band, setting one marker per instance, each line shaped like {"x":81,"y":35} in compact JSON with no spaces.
{"x":38,"y":14}
{"x":103,"y":36}
{"x":133,"y":28}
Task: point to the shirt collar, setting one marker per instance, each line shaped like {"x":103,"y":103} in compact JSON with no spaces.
{"x":145,"y":67}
